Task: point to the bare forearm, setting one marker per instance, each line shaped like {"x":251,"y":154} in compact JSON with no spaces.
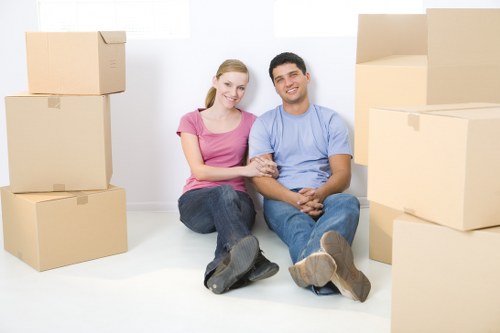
{"x":210,"y":173}
{"x":337,"y":183}
{"x":257,"y":167}
{"x":272,"y":189}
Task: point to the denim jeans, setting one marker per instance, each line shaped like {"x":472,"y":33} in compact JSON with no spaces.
{"x":218,"y":209}
{"x":301,"y":233}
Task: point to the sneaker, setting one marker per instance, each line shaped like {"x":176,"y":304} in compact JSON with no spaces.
{"x":317,"y":270}
{"x":262,"y":269}
{"x":239,"y":260}
{"x":350,"y":281}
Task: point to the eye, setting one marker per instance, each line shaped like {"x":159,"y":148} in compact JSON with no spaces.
{"x":227,"y":84}
{"x":242,"y":88}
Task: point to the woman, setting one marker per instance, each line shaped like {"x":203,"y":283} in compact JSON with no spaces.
{"x":215,"y":143}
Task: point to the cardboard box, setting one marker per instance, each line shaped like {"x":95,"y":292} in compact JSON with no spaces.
{"x":438,"y":162}
{"x":53,"y":229}
{"x":444,"y":280}
{"x":444,"y":56}
{"x":58,"y":143}
{"x":381,"y":225}
{"x":76,"y":63}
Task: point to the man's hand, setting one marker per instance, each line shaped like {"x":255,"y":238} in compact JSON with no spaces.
{"x":309,"y":202}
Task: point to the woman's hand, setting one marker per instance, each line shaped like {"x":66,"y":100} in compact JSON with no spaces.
{"x":266,"y":167}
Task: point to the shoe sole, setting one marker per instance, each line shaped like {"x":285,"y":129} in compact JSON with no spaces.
{"x":316,"y":270}
{"x":350,"y":281}
{"x":243,"y":255}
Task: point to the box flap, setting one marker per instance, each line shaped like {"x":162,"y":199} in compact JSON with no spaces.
{"x":45,"y":196}
{"x":464,"y":55}
{"x":463,"y":37}
{"x":442,"y":107}
{"x":413,"y":61}
{"x":113,"y":37}
{"x":382,"y":35}
{"x":52,"y":196}
{"x":469,"y":111}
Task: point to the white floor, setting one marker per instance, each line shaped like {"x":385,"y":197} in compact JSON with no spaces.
{"x":157,"y":287}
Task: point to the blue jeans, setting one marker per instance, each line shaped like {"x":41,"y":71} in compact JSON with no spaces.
{"x":218,"y":209}
{"x":301,"y":233}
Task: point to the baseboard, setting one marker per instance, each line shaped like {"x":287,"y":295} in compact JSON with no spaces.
{"x":363,"y":202}
{"x":171,"y":207}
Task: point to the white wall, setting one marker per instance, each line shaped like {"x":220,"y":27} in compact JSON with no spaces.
{"x":16,"y":16}
{"x":167,"y":78}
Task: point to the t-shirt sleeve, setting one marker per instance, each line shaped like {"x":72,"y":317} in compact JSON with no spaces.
{"x":338,"y":142}
{"x":259,"y":141}
{"x":187,"y":124}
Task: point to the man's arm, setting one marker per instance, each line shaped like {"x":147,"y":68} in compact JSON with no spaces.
{"x":272,"y":189}
{"x":338,"y":182}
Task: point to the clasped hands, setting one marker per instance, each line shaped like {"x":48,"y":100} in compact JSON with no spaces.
{"x":264,"y":167}
{"x":310,"y":202}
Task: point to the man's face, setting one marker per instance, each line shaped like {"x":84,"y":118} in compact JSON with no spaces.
{"x":290,"y":83}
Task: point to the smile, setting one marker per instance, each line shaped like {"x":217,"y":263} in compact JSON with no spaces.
{"x":232,"y":99}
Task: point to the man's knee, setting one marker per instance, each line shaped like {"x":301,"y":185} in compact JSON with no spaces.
{"x":343,"y":199}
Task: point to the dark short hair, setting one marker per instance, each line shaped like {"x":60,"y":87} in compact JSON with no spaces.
{"x":286,"y":58}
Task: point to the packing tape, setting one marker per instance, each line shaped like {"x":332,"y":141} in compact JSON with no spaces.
{"x":409,"y":211}
{"x":82,"y":199}
{"x":414,"y":121}
{"x":54,"y":102}
{"x":59,"y":188}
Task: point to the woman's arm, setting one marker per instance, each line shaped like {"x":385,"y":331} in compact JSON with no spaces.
{"x":191,"y":148}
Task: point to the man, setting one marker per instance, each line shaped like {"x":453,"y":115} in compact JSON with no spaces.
{"x":305,"y":205}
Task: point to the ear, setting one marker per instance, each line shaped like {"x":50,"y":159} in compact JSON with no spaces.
{"x":214,"y":82}
{"x":308,"y":76}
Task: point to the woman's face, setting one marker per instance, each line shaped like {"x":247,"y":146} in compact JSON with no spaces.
{"x":230,"y":88}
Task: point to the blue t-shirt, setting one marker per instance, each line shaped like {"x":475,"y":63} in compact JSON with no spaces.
{"x":300,"y":145}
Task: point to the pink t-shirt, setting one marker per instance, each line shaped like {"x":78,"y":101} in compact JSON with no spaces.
{"x":218,"y":149}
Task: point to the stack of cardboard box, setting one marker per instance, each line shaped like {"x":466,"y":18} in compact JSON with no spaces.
{"x":60,"y":207}
{"x":432,"y":168}
{"x":439,"y":164}
{"x":441,"y":57}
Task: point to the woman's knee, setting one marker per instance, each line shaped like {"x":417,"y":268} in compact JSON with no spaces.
{"x":201,"y":226}
{"x":227,"y":192}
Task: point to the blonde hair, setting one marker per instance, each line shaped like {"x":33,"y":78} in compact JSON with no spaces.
{"x":229,"y":65}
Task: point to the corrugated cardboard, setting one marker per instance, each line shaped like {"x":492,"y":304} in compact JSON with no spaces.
{"x":444,"y":280}
{"x":438,"y":162}
{"x":381,"y":226}
{"x":49,"y":230}
{"x":76,"y":63}
{"x":58,"y":143}
{"x":444,"y":56}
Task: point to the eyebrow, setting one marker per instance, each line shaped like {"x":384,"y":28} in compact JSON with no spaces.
{"x":286,"y":74}
{"x":241,"y":85}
